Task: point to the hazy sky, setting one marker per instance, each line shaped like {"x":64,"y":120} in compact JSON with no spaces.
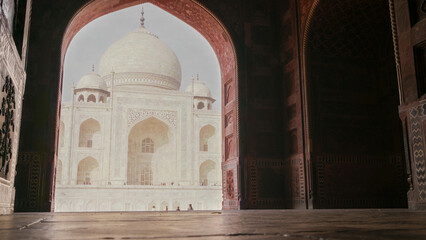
{"x":192,"y":49}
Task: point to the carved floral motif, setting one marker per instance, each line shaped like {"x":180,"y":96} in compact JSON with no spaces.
{"x":137,"y":115}
{"x":8,"y":126}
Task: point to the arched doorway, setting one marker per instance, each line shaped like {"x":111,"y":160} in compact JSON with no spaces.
{"x":208,"y":174}
{"x":212,"y":29}
{"x":354,"y":143}
{"x":207,"y":140}
{"x":146,"y":156}
{"x":190,"y":12}
{"x":90,"y":131}
{"x":88,"y":172}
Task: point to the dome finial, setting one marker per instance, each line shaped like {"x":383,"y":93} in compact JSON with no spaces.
{"x":198,"y":77}
{"x":142,"y":19}
{"x":93,"y":67}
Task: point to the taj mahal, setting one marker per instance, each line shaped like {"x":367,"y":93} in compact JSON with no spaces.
{"x":129,"y":140}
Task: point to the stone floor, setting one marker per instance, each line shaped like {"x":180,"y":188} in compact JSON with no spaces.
{"x":254,"y":224}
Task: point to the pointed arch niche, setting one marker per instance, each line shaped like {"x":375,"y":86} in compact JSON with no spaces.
{"x":90,"y":133}
{"x":207,"y":138}
{"x":144,"y":143}
{"x":206,"y":23}
{"x":208,"y":173}
{"x":88,"y":172}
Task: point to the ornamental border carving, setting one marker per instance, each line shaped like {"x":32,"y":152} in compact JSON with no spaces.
{"x":149,"y":79}
{"x":417,"y":115}
{"x":136,"y":115}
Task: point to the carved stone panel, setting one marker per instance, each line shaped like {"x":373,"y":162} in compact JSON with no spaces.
{"x":231,"y":198}
{"x":31,"y":167}
{"x":417,"y":116}
{"x":12,"y":76}
{"x":135,"y":116}
{"x":355,"y":181}
{"x":228,"y":92}
{"x":276,"y":183}
{"x":229,"y":147}
{"x":7,"y":121}
{"x":230,"y":184}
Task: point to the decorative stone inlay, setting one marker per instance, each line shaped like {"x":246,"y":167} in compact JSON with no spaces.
{"x":137,"y":115}
{"x":230,"y":189}
{"x":7,"y":110}
{"x":417,"y":115}
{"x":11,"y":56}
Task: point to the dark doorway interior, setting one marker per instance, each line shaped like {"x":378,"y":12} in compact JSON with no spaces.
{"x":356,"y":136}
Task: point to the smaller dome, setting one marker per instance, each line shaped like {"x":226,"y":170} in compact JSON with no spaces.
{"x":200,"y":89}
{"x":92,"y":81}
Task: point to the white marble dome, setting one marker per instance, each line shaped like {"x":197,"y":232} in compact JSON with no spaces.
{"x":141,"y":59}
{"x":200,"y":89}
{"x":92,"y":81}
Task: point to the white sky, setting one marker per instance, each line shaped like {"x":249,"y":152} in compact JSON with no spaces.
{"x":195,"y":54}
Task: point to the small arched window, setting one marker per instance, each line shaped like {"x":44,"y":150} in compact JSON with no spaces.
{"x":147,"y":145}
{"x":206,"y":134}
{"x":101,"y":99}
{"x":91,"y":98}
{"x":81,"y":98}
{"x":200,"y":105}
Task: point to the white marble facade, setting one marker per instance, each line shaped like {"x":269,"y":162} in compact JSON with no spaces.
{"x":11,"y":67}
{"x":131,"y":141}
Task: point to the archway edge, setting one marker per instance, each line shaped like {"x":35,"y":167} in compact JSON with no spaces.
{"x":87,"y":157}
{"x":304,"y":92}
{"x":189,"y":11}
{"x":142,"y":121}
{"x":211,"y":28}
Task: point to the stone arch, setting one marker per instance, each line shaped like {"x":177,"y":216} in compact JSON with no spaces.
{"x":142,"y":165}
{"x":61,"y":134}
{"x":88,"y":172}
{"x":101,"y":99}
{"x":80,"y":98}
{"x":208,"y":173}
{"x":207,"y":140}
{"x":348,"y":54}
{"x":90,"y":133}
{"x":91,"y":98}
{"x":216,"y":34}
